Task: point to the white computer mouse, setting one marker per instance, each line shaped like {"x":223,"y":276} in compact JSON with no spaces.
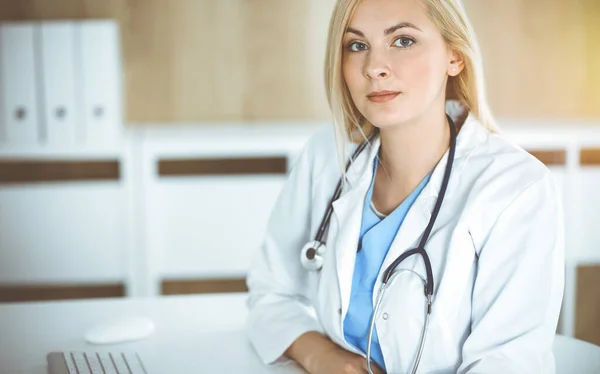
{"x":120,"y":330}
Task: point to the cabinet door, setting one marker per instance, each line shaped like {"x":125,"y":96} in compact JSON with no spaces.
{"x":63,"y":233}
{"x":60,"y":110}
{"x":18,"y":84}
{"x":589,"y":221}
{"x":209,"y":227}
{"x":584,"y":270}
{"x":99,"y":53}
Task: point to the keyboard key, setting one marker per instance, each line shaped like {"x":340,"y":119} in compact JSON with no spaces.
{"x":70,"y":363}
{"x":94,"y":363}
{"x":119,"y":363}
{"x":135,"y":363}
{"x":80,"y":363}
{"x":107,"y":363}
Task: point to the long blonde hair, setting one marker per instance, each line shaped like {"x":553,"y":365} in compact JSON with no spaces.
{"x":468,"y":87}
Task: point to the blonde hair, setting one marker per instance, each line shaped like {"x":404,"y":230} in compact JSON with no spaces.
{"x":468,"y":87}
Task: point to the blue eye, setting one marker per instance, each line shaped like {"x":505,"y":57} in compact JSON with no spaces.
{"x":404,"y":42}
{"x":357,"y":46}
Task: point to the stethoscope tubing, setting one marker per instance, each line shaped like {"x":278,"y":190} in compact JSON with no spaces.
{"x":338,"y":189}
{"x":390,"y":272}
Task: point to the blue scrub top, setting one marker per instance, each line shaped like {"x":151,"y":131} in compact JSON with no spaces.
{"x":376,"y":236}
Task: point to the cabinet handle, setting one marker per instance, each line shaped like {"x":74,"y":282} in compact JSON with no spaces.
{"x":61,"y":112}
{"x":98,"y":111}
{"x":20,"y":113}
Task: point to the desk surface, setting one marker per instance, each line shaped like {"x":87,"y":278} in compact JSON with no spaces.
{"x":194,"y":334}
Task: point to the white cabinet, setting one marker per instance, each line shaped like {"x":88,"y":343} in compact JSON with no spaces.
{"x":60,"y":103}
{"x":200,"y":225}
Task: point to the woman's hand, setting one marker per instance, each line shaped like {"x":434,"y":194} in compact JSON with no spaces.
{"x":317,"y":354}
{"x":339,"y":361}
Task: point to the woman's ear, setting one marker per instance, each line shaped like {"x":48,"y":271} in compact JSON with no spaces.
{"x":455,"y":64}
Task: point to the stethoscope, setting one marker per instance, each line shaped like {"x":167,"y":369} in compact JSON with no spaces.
{"x":313,"y":252}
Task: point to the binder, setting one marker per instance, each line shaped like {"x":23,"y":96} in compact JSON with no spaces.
{"x":19,"y":81}
{"x":60,"y":110}
{"x":99,"y":54}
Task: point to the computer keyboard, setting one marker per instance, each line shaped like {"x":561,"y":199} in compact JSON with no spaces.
{"x":95,"y":362}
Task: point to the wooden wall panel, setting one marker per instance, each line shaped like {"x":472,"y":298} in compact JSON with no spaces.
{"x":285,"y":51}
{"x":12,"y":10}
{"x":43,"y":171}
{"x":222,"y":166}
{"x":22,"y":293}
{"x":192,"y":286}
{"x":186,"y":60}
{"x":549,"y":157}
{"x":244,"y":60}
{"x":541,"y":57}
{"x":589,"y":156}
{"x":587,"y":318}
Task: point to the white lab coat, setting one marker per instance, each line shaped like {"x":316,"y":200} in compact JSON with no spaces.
{"x":497,"y":252}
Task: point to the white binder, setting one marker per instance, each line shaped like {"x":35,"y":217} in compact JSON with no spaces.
{"x":19,"y":78}
{"x":60,"y":108}
{"x":99,"y":53}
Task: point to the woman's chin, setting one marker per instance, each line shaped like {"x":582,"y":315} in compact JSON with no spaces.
{"x":388,"y":120}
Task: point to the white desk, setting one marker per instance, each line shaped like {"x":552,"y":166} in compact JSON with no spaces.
{"x":194,"y":334}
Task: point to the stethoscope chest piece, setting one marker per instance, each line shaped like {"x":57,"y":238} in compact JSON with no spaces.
{"x":312,"y":254}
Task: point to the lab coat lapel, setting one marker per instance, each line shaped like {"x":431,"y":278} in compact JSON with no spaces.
{"x":348,"y":208}
{"x":348,"y":212}
{"x":418,"y":216}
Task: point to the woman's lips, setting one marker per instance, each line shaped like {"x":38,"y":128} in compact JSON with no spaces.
{"x":382,"y":97}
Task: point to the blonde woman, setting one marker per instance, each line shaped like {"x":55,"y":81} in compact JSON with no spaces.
{"x":411,"y":236}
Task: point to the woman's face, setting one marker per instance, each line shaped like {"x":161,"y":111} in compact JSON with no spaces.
{"x":395,"y":62}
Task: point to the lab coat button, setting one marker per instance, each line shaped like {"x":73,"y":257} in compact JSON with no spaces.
{"x":385,"y":316}
{"x":340,"y":311}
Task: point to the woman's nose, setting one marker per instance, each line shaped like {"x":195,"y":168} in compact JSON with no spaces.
{"x":377,"y":67}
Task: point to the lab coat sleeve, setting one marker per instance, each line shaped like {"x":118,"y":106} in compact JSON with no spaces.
{"x":518,"y":287}
{"x":279,"y":311}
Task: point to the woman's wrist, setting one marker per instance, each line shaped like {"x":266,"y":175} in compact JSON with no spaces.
{"x":306,"y":349}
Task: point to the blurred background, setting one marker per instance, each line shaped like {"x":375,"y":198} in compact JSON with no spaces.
{"x":144,"y":142}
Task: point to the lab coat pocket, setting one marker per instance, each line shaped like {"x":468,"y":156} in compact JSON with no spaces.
{"x":325,"y":295}
{"x":439,"y":353}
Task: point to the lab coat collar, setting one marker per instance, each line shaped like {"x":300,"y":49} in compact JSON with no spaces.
{"x":468,"y":137}
{"x":471,"y":131}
